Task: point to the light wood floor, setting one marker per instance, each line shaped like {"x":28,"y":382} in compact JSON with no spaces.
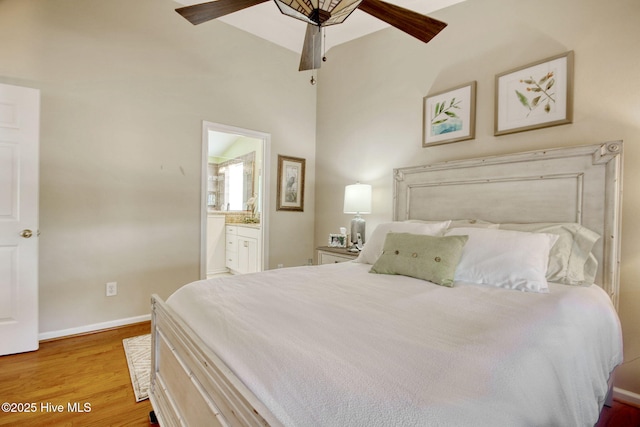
{"x":88,"y":369}
{"x":93,"y":369}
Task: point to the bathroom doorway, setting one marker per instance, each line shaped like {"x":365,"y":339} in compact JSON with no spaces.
{"x":234,"y":197}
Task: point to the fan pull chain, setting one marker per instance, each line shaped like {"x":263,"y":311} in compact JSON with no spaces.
{"x":313,"y":69}
{"x":324,"y":44}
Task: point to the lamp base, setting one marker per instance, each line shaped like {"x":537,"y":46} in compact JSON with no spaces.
{"x":357,"y":230}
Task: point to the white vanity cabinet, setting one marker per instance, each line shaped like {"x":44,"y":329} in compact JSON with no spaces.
{"x":243,"y":249}
{"x":215,"y":244}
{"x":231,"y":237}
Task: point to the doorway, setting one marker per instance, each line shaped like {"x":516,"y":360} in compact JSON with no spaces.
{"x":235,"y":186}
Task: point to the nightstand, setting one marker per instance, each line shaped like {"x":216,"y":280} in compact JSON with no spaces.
{"x":329,"y":255}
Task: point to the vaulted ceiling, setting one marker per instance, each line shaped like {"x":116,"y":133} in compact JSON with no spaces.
{"x":266,"y":21}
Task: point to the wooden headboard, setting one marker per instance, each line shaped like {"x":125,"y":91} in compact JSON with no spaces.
{"x":577,"y":184}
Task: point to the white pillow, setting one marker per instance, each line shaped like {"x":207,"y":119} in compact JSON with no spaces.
{"x":505,"y":258}
{"x":373,"y":247}
{"x":570,"y":262}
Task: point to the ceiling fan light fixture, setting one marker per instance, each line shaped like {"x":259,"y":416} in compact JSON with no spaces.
{"x":319,"y":16}
{"x":321,"y":13}
{"x":318,"y":12}
{"x":342,"y":10}
{"x":287,"y":9}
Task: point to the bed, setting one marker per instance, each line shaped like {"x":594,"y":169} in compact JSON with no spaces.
{"x":340,"y":345}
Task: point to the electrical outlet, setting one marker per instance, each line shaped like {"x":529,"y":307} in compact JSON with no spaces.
{"x":280,"y":265}
{"x":112,"y":289}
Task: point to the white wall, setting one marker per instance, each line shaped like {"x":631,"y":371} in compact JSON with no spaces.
{"x":125,"y":86}
{"x":370,"y":108}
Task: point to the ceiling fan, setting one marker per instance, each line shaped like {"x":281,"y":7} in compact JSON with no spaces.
{"x":321,"y":13}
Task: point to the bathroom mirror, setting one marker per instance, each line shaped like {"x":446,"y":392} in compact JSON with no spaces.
{"x":231,"y":183}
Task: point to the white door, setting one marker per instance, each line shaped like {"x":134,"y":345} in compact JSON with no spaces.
{"x":19,"y":147}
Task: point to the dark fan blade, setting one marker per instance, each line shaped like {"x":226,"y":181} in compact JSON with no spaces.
{"x":311,"y":58}
{"x":199,"y":13}
{"x":419,"y":26}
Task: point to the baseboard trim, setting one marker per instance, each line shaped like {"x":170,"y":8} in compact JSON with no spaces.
{"x":45,"y":336}
{"x":626,"y":396}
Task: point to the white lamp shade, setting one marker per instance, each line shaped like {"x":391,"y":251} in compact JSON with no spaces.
{"x":357,"y":199}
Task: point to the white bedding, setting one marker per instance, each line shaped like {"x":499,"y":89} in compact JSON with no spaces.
{"x":334,"y":345}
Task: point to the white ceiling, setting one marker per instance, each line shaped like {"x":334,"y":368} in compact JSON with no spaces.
{"x":266,"y":21}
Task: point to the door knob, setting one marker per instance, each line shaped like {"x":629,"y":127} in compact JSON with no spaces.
{"x":26,"y":233}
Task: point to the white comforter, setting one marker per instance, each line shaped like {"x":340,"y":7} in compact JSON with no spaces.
{"x":334,"y":345}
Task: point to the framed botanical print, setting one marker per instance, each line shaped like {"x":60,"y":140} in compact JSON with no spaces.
{"x":450,"y":116}
{"x":290,"y":189}
{"x":535,"y":96}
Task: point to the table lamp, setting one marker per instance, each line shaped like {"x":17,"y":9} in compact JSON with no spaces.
{"x":357,"y":200}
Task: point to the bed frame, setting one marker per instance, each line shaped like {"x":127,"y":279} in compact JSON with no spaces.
{"x":190,"y":385}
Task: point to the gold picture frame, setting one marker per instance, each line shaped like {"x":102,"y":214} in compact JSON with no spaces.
{"x":290,"y":188}
{"x":450,"y":115}
{"x":535,"y":96}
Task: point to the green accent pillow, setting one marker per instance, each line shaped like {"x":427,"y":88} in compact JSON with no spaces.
{"x":421,"y":256}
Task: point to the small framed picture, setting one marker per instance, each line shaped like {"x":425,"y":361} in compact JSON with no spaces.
{"x":535,"y":96}
{"x":450,"y":116}
{"x":338,"y":240}
{"x":290,"y":189}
